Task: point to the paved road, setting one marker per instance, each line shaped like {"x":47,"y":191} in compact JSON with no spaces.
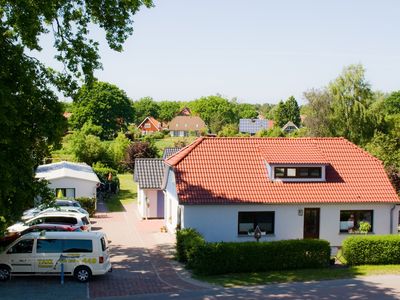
{"x":383,"y":287}
{"x":143,"y":270}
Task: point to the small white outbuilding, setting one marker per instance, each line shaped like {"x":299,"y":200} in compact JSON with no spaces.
{"x":69,"y":180}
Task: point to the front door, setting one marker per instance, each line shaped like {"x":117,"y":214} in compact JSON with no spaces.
{"x":160,"y":204}
{"x":311,"y":223}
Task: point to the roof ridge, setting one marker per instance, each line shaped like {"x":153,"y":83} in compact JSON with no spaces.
{"x":177,"y":157}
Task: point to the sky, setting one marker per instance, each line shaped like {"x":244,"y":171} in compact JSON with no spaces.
{"x":257,"y":50}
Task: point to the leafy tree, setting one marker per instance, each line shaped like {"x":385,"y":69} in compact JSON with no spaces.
{"x":246,"y":111}
{"x":293,"y":111}
{"x":392,"y":103}
{"x":139,"y":150}
{"x":145,"y":107}
{"x":28,"y":108}
{"x":351,"y":96}
{"x":281,"y":114}
{"x":216,"y":111}
{"x":266,"y":110}
{"x":104,"y":105}
{"x":229,"y":130}
{"x":87,"y":148}
{"x":117,"y":150}
{"x":168,"y":110}
{"x":319,"y":110}
{"x":272,"y":132}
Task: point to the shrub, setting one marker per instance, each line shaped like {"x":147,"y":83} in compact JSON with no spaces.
{"x":139,"y":150}
{"x":222,"y":258}
{"x":372,"y":250}
{"x":89,"y":204}
{"x":186,"y":241}
{"x":103,"y":172}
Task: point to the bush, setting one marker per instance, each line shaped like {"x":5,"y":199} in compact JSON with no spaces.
{"x":89,"y":204}
{"x":186,"y":241}
{"x":222,"y":258}
{"x":372,"y":250}
{"x":103,"y":172}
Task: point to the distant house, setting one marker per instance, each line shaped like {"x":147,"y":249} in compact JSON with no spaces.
{"x":149,"y":125}
{"x":291,"y":188}
{"x":69,"y":180}
{"x":252,"y":126}
{"x":183,"y":125}
{"x":289,"y":127}
{"x":149,"y":175}
{"x":185,"y":112}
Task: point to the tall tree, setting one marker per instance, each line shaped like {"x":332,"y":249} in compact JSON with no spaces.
{"x":105,"y":105}
{"x":351,"y":96}
{"x":281,"y":114}
{"x":30,"y":116}
{"x":168,"y":110}
{"x":246,"y":111}
{"x":145,"y":107}
{"x":293,"y":111}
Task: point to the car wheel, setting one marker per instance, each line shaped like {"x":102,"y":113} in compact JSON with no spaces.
{"x":4,"y":273}
{"x":82,"y":274}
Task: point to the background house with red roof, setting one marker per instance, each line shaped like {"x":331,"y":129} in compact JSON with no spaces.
{"x":289,"y":187}
{"x":149,"y":125}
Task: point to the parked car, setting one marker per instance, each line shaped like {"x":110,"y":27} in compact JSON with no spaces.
{"x":83,"y":254}
{"x":30,"y":213}
{"x":71,"y":209}
{"x":12,"y":236}
{"x":54,"y":217}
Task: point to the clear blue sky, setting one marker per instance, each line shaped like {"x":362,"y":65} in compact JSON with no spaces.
{"x":258,"y":51}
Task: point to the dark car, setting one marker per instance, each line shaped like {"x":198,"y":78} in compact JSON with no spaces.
{"x":11,"y":237}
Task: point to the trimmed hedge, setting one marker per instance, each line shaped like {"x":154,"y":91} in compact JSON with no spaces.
{"x":186,"y":241}
{"x":372,"y":250}
{"x":222,"y":258}
{"x":89,"y":204}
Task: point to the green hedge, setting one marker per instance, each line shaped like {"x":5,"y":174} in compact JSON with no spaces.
{"x":186,"y":241}
{"x":89,"y":204}
{"x":372,"y":250}
{"x":222,"y":258}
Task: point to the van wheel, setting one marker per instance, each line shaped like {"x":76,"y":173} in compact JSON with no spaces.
{"x":4,"y":272}
{"x":82,"y":274}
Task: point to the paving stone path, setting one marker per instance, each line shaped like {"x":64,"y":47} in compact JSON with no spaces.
{"x":141,"y":258}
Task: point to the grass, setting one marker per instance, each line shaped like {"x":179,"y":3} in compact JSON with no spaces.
{"x":244,"y":279}
{"x":127,"y":193}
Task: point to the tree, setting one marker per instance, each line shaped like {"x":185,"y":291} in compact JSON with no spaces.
{"x":351,"y":96}
{"x":392,"y":103}
{"x":246,"y":111}
{"x":145,"y":107}
{"x":168,"y":110}
{"x":229,"y":130}
{"x":30,"y":115}
{"x":139,"y":150}
{"x":87,"y":148}
{"x":281,"y":114}
{"x":216,"y":111}
{"x":104,"y":105}
{"x":117,"y":150}
{"x":293,"y":111}
{"x":318,"y":113}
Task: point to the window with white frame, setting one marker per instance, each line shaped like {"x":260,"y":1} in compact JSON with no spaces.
{"x":65,"y":192}
{"x":249,"y":220}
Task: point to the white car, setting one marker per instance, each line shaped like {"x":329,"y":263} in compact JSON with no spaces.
{"x":71,"y":209}
{"x":82,"y":255}
{"x":30,"y":213}
{"x":54,"y":217}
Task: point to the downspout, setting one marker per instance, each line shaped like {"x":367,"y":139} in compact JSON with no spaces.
{"x":391,"y":218}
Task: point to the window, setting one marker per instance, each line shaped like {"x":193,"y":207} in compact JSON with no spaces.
{"x":72,"y":246}
{"x":85,"y":221}
{"x":104,"y":245}
{"x":147,"y":125}
{"x":60,"y":220}
{"x":24,"y":246}
{"x":298,"y":172}
{"x":65,"y":192}
{"x":248,"y":221}
{"x":350,"y":219}
{"x":49,"y":246}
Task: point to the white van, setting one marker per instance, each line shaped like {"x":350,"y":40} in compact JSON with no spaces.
{"x":54,"y":217}
{"x":83,"y":254}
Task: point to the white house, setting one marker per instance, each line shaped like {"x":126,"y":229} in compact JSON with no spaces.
{"x":71,"y":180}
{"x":149,"y":174}
{"x":290,"y":188}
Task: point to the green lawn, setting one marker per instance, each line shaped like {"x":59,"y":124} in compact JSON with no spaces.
{"x":127,"y":193}
{"x":261,"y":278}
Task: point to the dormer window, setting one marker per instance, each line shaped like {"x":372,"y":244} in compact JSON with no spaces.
{"x":298,"y":172}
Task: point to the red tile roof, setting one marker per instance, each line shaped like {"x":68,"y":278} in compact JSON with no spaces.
{"x":233,"y":170}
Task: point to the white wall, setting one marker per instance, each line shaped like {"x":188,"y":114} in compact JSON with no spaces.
{"x":171,"y":203}
{"x":147,"y":203}
{"x":83,"y":188}
{"x":220,"y":222}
